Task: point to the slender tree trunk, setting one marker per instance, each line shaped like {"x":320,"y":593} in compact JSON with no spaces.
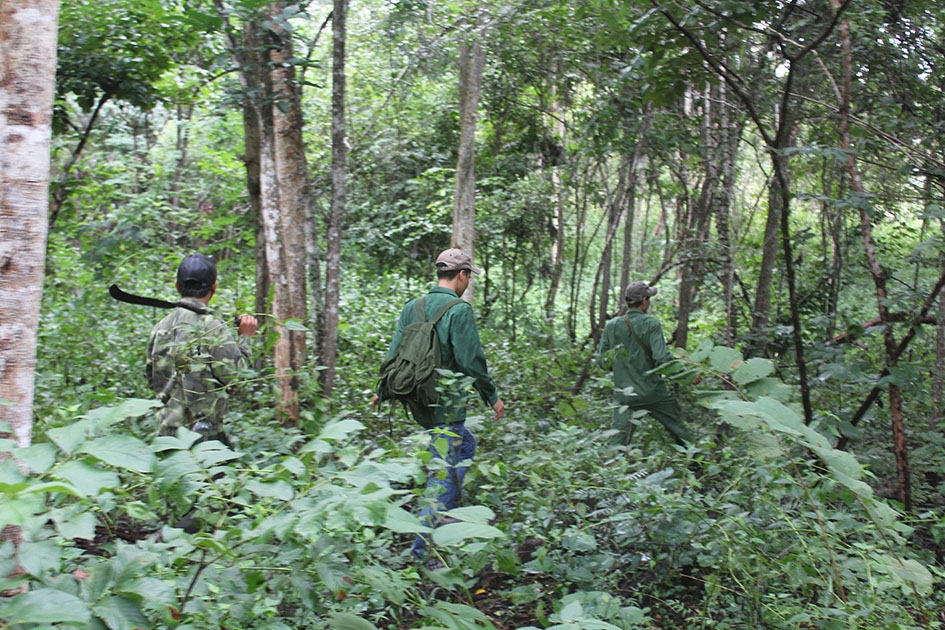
{"x":697,"y":231}
{"x":876,"y":270}
{"x":251,"y":157}
{"x":471,"y":62}
{"x":761,"y":310}
{"x":184,"y":113}
{"x":938,"y":376}
{"x":558,"y":224}
{"x":58,"y":196}
{"x":730,"y":134}
{"x":339,"y":153}
{"x":27,"y":82}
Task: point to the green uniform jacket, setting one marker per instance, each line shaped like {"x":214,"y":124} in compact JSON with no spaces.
{"x":460,"y":348}
{"x":620,"y":351}
{"x":191,"y":359}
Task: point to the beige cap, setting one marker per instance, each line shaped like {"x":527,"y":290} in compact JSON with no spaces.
{"x":455,"y":259}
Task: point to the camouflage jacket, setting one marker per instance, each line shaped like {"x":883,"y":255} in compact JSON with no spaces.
{"x":191,"y":360}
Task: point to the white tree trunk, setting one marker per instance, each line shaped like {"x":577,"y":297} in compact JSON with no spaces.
{"x":27,"y":82}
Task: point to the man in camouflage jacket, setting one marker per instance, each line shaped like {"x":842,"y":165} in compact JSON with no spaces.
{"x":192,"y":356}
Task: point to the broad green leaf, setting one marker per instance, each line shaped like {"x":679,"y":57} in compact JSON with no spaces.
{"x":294,"y":325}
{"x":82,"y":525}
{"x":457,"y":617}
{"x":139,"y":510}
{"x":120,"y":613}
{"x":39,"y":557}
{"x":752,"y":370}
{"x":271,"y":489}
{"x":738,"y":413}
{"x":401,"y":521}
{"x":769,"y":387}
{"x":578,"y":541}
{"x":176,"y":466}
{"x":38,"y":457}
{"x":472,"y":514}
{"x":87,"y":478}
{"x":11,"y":475}
{"x":317,"y":446}
{"x":914,"y":575}
{"x":46,"y":606}
{"x":340,"y":430}
{"x":702,"y":352}
{"x":69,"y":437}
{"x":104,"y":417}
{"x":453,"y":533}
{"x":155,"y":591}
{"x":725,"y":359}
{"x":121,"y":451}
{"x":840,"y":461}
{"x":573,"y":611}
{"x":347,"y":621}
{"x":184,"y":439}
{"x":212,"y":453}
{"x":20,"y":510}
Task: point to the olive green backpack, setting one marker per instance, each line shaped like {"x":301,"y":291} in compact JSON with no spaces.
{"x":410,"y":375}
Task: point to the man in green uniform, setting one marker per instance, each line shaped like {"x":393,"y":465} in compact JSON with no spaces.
{"x":632,"y":345}
{"x":192,"y":356}
{"x":461,"y":352}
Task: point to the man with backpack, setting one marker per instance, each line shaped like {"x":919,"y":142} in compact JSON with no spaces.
{"x":632,"y":345}
{"x":410,"y":373}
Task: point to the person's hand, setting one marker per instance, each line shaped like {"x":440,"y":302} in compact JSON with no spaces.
{"x":248,"y":325}
{"x":375,"y":399}
{"x":499,"y":409}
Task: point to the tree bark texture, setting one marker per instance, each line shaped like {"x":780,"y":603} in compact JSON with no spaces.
{"x":339,"y":155}
{"x":472,"y":58}
{"x":27,"y":83}
{"x":273,"y":96}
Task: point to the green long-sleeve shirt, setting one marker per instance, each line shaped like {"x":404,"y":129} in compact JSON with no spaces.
{"x":620,"y":351}
{"x":460,"y":347}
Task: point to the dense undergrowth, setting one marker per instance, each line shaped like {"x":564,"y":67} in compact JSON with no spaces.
{"x":760,"y":523}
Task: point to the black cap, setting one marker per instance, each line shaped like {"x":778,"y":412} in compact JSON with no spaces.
{"x":196,"y":274}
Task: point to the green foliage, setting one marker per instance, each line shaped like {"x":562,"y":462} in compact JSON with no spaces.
{"x":116,"y":49}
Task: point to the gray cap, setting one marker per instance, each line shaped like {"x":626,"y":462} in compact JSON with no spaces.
{"x":638,"y":290}
{"x":455,"y":259}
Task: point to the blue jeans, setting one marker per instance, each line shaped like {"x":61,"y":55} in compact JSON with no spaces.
{"x":453,"y":444}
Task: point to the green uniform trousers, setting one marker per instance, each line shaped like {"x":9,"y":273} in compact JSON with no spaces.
{"x":666,"y":411}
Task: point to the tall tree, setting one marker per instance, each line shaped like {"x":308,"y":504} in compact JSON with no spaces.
{"x":781,"y":31}
{"x":266,"y":65}
{"x":27,"y":81}
{"x":339,"y":156}
{"x":472,"y":57}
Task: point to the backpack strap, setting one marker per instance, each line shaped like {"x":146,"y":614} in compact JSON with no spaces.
{"x":646,"y":348}
{"x":439,"y":314}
